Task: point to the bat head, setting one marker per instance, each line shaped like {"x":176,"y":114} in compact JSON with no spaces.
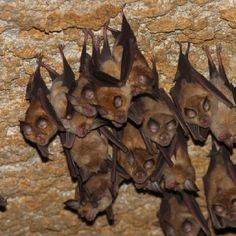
{"x":114,"y":103}
{"x":223,"y":126}
{"x":223,"y":209}
{"x":159,"y":122}
{"x":176,"y":220}
{"x":39,"y":126}
{"x":195,"y":104}
{"x":139,"y":164}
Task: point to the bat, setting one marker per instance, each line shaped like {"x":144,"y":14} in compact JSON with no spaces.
{"x":180,"y":215}
{"x":137,"y":162}
{"x":180,"y":176}
{"x":90,"y":153}
{"x":220,"y":188}
{"x":222,"y":127}
{"x":41,"y":122}
{"x":112,"y":93}
{"x":99,"y":197}
{"x":193,"y":94}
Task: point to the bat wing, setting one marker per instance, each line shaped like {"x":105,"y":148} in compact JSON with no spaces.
{"x":195,"y":210}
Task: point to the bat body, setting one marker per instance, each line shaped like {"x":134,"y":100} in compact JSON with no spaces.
{"x":89,"y":153}
{"x":220,"y":189}
{"x":99,"y":197}
{"x":193,"y":95}
{"x":181,"y":216}
{"x":182,"y":174}
{"x":41,"y":122}
{"x":137,"y":162}
{"x":222,"y":126}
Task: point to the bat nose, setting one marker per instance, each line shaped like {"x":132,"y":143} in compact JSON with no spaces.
{"x":41,"y":139}
{"x":121,"y":117}
{"x":140,"y":177}
{"x":204,"y":121}
{"x":224,"y":136}
{"x":164,"y":139}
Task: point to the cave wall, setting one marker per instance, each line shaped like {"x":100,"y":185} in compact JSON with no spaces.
{"x":36,"y":191}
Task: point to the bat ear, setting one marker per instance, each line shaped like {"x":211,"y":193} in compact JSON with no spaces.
{"x":24,"y":126}
{"x":169,"y":230}
{"x":72,"y":204}
{"x":68,"y":74}
{"x":52,"y":73}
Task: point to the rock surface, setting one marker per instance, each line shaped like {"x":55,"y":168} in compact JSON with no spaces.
{"x":36,"y":191}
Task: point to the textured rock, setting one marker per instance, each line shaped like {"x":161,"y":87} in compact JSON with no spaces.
{"x":36,"y":191}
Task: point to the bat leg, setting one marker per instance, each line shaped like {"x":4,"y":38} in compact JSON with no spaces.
{"x":43,"y":152}
{"x":110,"y":215}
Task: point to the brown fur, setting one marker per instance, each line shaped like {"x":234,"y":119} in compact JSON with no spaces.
{"x":135,"y":167}
{"x":90,"y":152}
{"x":178,"y":218}
{"x":160,"y":112}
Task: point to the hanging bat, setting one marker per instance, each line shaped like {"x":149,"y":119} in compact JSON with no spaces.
{"x":90,"y":153}
{"x":41,"y":122}
{"x":137,"y":162}
{"x":222,"y":126}
{"x":99,"y":197}
{"x":220,"y":188}
{"x":112,"y":93}
{"x":180,"y":176}
{"x":180,"y":215}
{"x":193,"y":95}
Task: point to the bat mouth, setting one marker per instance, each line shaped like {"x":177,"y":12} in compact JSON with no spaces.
{"x":117,"y":124}
{"x":204,"y":122}
{"x":220,"y":221}
{"x":82,"y":131}
{"x":89,"y":110}
{"x":136,"y":91}
{"x":41,"y":140}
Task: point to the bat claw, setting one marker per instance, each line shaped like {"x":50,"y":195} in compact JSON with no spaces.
{"x":190,"y":186}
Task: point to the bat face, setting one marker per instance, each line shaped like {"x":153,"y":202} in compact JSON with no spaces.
{"x":99,"y":198}
{"x":38,"y":126}
{"x":223,"y":126}
{"x":195,"y":104}
{"x":90,"y":152}
{"x":220,"y":190}
{"x":138,"y":163}
{"x":176,"y":220}
{"x":83,"y":97}
{"x":79,"y":124}
{"x":114,"y":103}
{"x":159,"y":122}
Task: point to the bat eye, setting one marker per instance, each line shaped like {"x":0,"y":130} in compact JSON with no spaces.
{"x":187,"y":226}
{"x":117,"y":101}
{"x":153,"y":125}
{"x":218,"y":208}
{"x":190,"y":113}
{"x":88,"y":93}
{"x":171,"y":124}
{"x":42,"y":123}
{"x":149,"y":164}
{"x":206,"y":104}
{"x":26,"y":128}
{"x":142,"y":79}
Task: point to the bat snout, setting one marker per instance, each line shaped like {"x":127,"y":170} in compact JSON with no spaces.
{"x":121,"y":117}
{"x":140,"y":177}
{"x":164,"y":139}
{"x":224,"y":136}
{"x":82,"y":130}
{"x":204,"y":121}
{"x":41,"y":139}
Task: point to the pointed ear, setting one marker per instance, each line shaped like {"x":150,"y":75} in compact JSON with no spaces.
{"x":25,"y":127}
{"x":72,"y":204}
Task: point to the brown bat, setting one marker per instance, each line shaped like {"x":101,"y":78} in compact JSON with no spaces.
{"x":220,"y":188}
{"x":137,"y":162}
{"x":182,"y":174}
{"x":222,"y":126}
{"x":90,"y":153}
{"x":180,"y":215}
{"x":99,"y":197}
{"x":113,"y":94}
{"x":41,"y":122}
{"x":193,"y":95}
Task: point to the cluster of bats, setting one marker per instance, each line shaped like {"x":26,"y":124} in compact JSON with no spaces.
{"x":116,"y":124}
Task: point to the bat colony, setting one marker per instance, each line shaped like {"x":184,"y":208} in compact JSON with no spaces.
{"x":115,"y":123}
